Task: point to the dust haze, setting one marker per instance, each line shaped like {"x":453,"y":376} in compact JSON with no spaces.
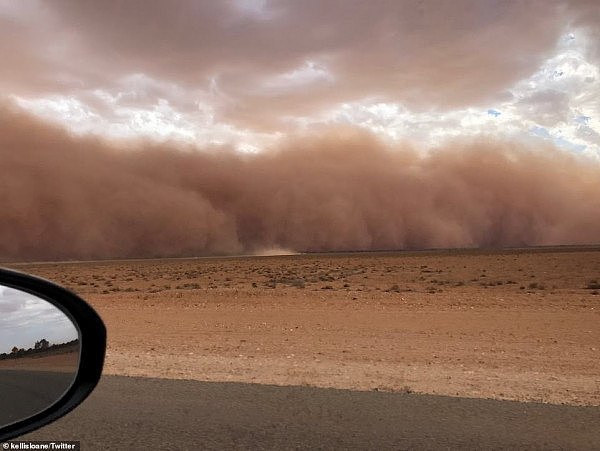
{"x":69,"y":197}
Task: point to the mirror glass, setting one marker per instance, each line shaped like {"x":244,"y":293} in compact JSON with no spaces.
{"x":39,"y":354}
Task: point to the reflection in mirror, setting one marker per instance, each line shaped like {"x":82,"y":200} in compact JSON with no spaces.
{"x":39,"y":354}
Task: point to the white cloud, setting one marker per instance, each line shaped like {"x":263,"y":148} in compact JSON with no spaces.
{"x":253,"y":9}
{"x":559,"y":103}
{"x":70,"y":111}
{"x":309,"y":73}
{"x":25,"y":319}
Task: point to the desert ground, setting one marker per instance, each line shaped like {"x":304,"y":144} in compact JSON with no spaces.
{"x":64,"y":362}
{"x":513,"y":324}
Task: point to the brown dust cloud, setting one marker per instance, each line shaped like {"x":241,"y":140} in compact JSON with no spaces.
{"x":69,"y":197}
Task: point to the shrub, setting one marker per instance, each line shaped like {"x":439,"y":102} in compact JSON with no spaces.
{"x":298,"y":283}
{"x":536,"y":285}
{"x":593,"y":285}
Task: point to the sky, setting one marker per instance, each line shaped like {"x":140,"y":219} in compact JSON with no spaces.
{"x":249,"y":72}
{"x":234,"y":85}
{"x":25,"y":319}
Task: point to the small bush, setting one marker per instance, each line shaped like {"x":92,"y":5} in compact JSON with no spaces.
{"x":298,"y":283}
{"x":593,"y":285}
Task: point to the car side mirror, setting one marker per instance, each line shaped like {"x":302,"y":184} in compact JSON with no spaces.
{"x":52,"y":346}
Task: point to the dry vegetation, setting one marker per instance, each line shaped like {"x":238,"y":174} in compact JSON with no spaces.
{"x":513,"y":325}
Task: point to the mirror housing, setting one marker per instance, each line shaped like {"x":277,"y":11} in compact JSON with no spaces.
{"x":92,"y":341}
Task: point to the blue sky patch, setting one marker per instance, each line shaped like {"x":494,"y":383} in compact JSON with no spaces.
{"x":541,"y":132}
{"x":558,"y":141}
{"x":583,"y":120}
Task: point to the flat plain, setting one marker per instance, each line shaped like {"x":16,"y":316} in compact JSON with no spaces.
{"x":514,"y":324}
{"x":63,"y":362}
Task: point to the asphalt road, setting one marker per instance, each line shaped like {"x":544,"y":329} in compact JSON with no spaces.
{"x":139,"y":413}
{"x":24,"y":393}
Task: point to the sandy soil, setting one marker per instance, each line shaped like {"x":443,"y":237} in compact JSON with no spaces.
{"x":519,"y":325}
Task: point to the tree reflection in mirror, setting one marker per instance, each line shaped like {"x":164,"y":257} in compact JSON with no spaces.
{"x":39,"y":354}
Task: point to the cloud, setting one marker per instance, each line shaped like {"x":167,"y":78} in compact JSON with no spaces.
{"x":70,"y":197}
{"x":547,"y":107}
{"x":246,"y":73}
{"x":273,"y":60}
{"x":25,"y":319}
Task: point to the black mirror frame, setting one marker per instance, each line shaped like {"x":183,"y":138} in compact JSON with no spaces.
{"x":92,"y":338}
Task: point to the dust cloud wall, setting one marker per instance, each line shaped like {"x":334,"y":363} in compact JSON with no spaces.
{"x":70,"y":197}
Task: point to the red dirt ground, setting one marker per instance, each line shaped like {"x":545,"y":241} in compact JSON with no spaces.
{"x":519,"y":324}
